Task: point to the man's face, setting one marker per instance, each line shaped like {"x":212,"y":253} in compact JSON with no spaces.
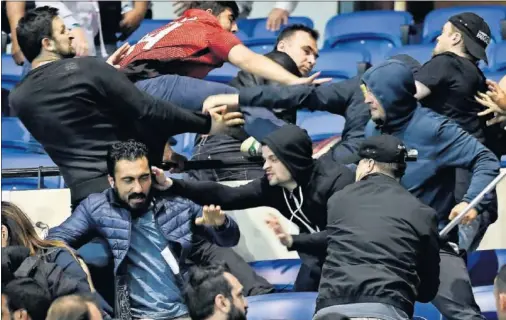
{"x":448,"y":39}
{"x":378,"y":114}
{"x":132,"y":182}
{"x":275,"y":170}
{"x":61,"y":43}
{"x":301,"y":47}
{"x":227,"y":20}
{"x":239,"y":307}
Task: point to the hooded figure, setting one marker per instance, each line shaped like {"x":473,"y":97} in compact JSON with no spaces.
{"x":442,"y":147}
{"x":295,"y":184}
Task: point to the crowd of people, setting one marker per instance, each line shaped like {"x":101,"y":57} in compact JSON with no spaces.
{"x":419,"y":144}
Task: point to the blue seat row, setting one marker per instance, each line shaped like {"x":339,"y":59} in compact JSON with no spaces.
{"x":482,"y":266}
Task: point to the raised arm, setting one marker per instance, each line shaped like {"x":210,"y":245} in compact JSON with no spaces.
{"x":122,"y":95}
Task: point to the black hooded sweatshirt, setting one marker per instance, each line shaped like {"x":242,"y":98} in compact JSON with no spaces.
{"x":306,"y":205}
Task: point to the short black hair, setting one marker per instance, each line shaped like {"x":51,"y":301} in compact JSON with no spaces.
{"x":217,"y":6}
{"x":27,"y":294}
{"x":291,"y":29}
{"x":204,"y":284}
{"x":34,"y":26}
{"x":500,"y":281}
{"x":125,"y":150}
{"x":397,"y":170}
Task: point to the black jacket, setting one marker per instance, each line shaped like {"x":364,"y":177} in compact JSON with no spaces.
{"x":77,"y":108}
{"x":317,"y":182}
{"x":383,"y":247}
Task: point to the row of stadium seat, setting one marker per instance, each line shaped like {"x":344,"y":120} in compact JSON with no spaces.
{"x":482,"y":266}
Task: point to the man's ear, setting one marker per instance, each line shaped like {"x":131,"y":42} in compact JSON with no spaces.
{"x":20,"y":314}
{"x":5,"y":236}
{"x":281,"y":46}
{"x":502,"y":302}
{"x":457,"y":38}
{"x":222,"y":304}
{"x":111,"y":181}
{"x":48,"y":45}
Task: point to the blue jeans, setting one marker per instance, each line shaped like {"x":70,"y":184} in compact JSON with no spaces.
{"x":378,"y":311}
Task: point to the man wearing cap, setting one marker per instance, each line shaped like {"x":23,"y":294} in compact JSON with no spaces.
{"x":294,"y":183}
{"x":383,"y":245}
{"x":442,"y":147}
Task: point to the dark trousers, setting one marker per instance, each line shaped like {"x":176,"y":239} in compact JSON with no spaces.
{"x":455,"y":299}
{"x":310,"y":273}
{"x":205,"y":253}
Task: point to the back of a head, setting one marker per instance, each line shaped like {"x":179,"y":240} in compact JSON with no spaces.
{"x":285,"y":61}
{"x":216,"y":7}
{"x":409,"y":61}
{"x":27,"y":294}
{"x":34,"y":26}
{"x":71,"y":307}
{"x":12,"y":258}
{"x":204,"y":284}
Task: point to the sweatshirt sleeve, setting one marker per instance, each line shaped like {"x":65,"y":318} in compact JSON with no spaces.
{"x":125,"y":98}
{"x":332,"y":97}
{"x":250,"y":195}
{"x":457,"y":148}
{"x":310,"y":243}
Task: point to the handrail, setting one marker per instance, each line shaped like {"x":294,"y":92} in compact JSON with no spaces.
{"x":472,"y":204}
{"x":187,"y":165}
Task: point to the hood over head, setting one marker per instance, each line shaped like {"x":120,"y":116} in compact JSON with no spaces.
{"x":393,"y":84}
{"x":294,"y":148}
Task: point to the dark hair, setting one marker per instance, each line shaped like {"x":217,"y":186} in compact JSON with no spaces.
{"x":500,"y":281}
{"x":71,"y":307}
{"x":204,"y":284}
{"x":34,"y":26}
{"x":125,"y":150}
{"x":27,"y":294}
{"x":284,"y":60}
{"x":291,"y":29}
{"x":216,"y":7}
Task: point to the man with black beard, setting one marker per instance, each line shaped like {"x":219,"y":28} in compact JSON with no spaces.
{"x":149,"y":232}
{"x":212,"y":293}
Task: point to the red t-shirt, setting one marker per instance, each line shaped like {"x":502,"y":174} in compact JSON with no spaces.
{"x":192,"y":45}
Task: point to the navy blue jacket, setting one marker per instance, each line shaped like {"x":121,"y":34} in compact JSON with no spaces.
{"x":442,"y":145}
{"x":104,"y":214}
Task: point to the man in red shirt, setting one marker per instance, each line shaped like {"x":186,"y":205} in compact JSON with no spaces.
{"x":191,"y":46}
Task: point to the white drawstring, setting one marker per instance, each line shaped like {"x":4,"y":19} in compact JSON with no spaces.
{"x":298,"y":209}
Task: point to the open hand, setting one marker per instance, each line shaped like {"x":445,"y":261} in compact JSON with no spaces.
{"x":211,"y":216}
{"x":115,"y":58}
{"x":284,"y":237}
{"x":162,"y":182}
{"x":468,"y":218}
{"x":222,"y":120}
{"x":497,"y":94}
{"x":276,"y":18}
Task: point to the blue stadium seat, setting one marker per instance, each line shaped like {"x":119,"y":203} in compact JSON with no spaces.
{"x":147,"y":25}
{"x":421,"y":52}
{"x":497,"y":57}
{"x":342,"y":63}
{"x":496,"y":76}
{"x":376,"y":31}
{"x":224,"y":74}
{"x":11,"y":72}
{"x":247,"y":25}
{"x":436,"y":19}
{"x":241,"y":35}
{"x":261,"y":36}
{"x":280,"y":273}
{"x":261,"y":48}
{"x":320,"y":125}
{"x":484,"y":297}
{"x":503,"y":162}
{"x":185,"y":143}
{"x":16,"y":136}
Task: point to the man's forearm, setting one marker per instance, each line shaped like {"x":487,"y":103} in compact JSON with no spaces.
{"x":15,"y":11}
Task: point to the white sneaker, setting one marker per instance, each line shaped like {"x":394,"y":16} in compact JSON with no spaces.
{"x":251,"y":147}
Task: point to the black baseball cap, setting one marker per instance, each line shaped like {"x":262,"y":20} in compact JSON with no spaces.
{"x":475,"y":31}
{"x":384,"y":148}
